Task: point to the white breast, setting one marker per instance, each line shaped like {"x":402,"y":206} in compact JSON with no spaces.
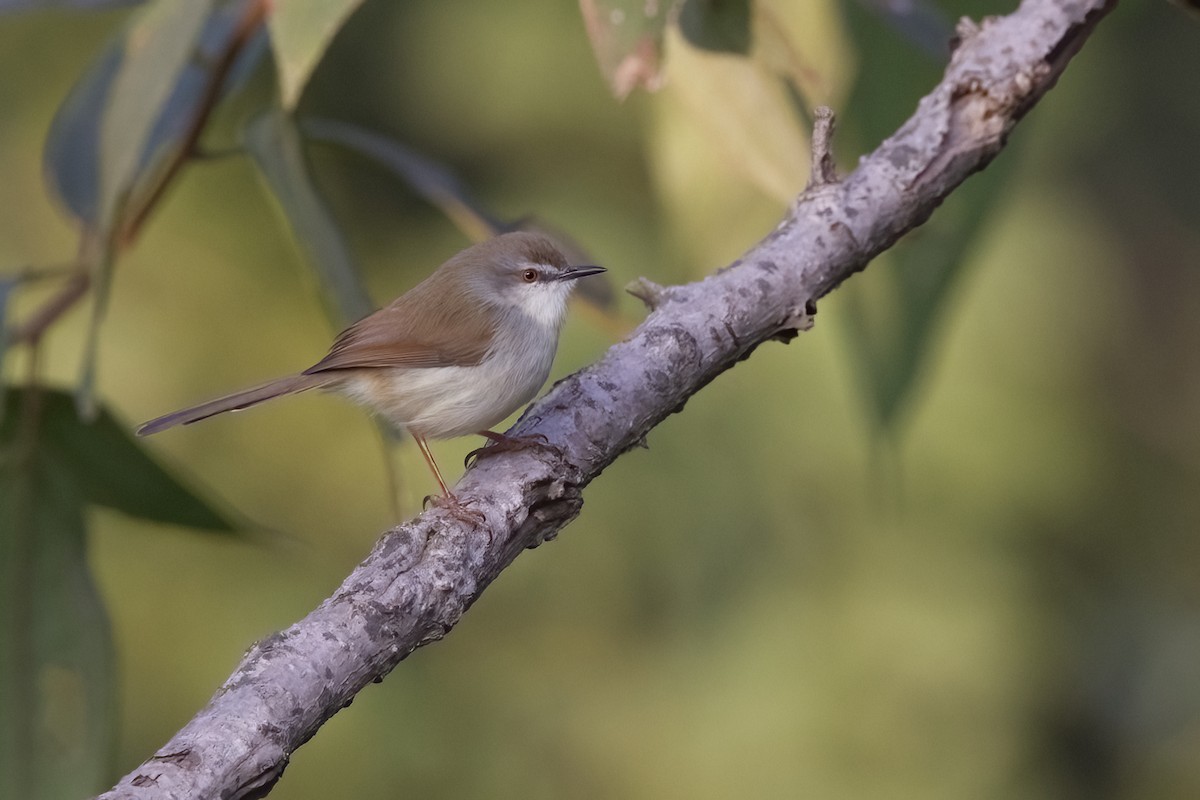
{"x":445,"y":402}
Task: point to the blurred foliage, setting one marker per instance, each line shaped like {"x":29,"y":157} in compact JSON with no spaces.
{"x":301,"y":31}
{"x":276,"y":147}
{"x":1010,"y":607}
{"x":57,"y":704}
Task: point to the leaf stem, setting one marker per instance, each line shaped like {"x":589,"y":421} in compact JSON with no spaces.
{"x":79,"y":282}
{"x":252,"y":18}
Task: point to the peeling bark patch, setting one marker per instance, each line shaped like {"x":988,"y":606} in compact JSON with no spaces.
{"x":900,"y":157}
{"x":678,"y":346}
{"x":185,"y":758}
{"x":272,"y":732}
{"x":402,"y":542}
{"x":377,"y":620}
{"x":733,"y":337}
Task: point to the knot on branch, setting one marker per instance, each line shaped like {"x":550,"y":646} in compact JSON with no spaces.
{"x":650,"y":293}
{"x":824,"y":171}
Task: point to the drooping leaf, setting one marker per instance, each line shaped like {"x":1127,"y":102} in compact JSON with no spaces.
{"x":109,"y":466}
{"x":893,"y":321}
{"x":627,"y":37}
{"x":785,"y":42}
{"x":275,"y":144}
{"x":745,"y":108}
{"x":152,"y":63}
{"x":162,"y":40}
{"x":897,"y":308}
{"x":301,"y":31}
{"x":435,"y":183}
{"x":430,"y":180}
{"x":73,"y":5}
{"x":722,"y":26}
{"x":72,"y":153}
{"x":57,"y":700}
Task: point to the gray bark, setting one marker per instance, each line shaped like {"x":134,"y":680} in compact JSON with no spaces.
{"x":423,"y":575}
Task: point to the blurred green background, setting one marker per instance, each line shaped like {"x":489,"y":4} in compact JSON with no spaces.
{"x":995,"y":595}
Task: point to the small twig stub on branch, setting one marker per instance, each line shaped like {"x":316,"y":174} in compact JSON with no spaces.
{"x":824,"y":170}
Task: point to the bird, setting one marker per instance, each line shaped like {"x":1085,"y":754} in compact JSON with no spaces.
{"x":455,"y":355}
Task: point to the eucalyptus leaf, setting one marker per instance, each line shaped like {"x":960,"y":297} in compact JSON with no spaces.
{"x":746,"y":109}
{"x":72,"y":153}
{"x":431,"y":180}
{"x":437,"y":184}
{"x":57,"y":684}
{"x":893,"y":319}
{"x":275,"y":144}
{"x":896,"y":309}
{"x":108,"y":465}
{"x":627,"y":38}
{"x":301,"y":31}
{"x":162,"y":40}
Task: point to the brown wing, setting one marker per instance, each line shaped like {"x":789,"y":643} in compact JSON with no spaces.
{"x":416,"y":331}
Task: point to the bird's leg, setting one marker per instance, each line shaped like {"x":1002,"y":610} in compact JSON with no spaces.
{"x":447,"y":500}
{"x":502,"y":443}
{"x":437,"y":473}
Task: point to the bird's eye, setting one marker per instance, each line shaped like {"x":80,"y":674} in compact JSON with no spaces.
{"x":529,"y":275}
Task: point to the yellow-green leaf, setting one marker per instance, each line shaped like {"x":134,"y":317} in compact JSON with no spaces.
{"x":627,"y":37}
{"x":157,"y":49}
{"x":744,"y":108}
{"x":301,"y":31}
{"x":57,"y":702}
{"x":275,"y":144}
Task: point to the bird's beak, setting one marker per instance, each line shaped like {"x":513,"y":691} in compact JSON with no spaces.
{"x":571,"y":273}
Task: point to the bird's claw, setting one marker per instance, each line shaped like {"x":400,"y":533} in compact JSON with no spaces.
{"x":457,"y":509}
{"x":505,"y":444}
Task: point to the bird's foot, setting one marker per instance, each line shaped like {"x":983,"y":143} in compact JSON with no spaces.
{"x":500,"y":443}
{"x":456,"y":508}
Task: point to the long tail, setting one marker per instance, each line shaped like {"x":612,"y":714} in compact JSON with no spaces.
{"x":234,"y":402}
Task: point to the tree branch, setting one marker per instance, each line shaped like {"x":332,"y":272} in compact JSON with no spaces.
{"x":423,"y":575}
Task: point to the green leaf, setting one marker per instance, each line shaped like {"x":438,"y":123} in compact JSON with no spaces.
{"x":745,"y":108}
{"x":722,"y":26}
{"x":627,"y":37}
{"x":109,"y":465}
{"x":895,"y":310}
{"x":57,"y":687}
{"x":892,"y":318}
{"x":429,"y":179}
{"x":160,"y":44}
{"x":275,"y":144}
{"x":439,"y":186}
{"x":301,"y":31}
{"x":72,"y":154}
